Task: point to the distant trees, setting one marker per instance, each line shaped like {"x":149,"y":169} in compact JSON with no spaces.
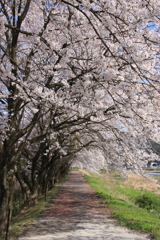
{"x":74,"y":75}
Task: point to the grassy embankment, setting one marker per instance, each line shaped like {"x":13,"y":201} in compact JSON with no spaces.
{"x":138,"y":209}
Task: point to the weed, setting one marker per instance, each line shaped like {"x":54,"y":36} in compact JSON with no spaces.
{"x":148,"y":201}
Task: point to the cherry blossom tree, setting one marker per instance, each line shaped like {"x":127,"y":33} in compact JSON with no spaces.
{"x":75,"y":75}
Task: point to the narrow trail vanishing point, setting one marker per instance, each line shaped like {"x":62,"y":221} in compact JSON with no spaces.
{"x":75,"y":213}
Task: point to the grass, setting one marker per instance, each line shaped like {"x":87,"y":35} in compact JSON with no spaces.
{"x":18,"y":202}
{"x":26,"y":216}
{"x":75,"y":168}
{"x":138,"y":209}
{"x":158,"y":179}
{"x":134,"y":208}
{"x":152,"y":169}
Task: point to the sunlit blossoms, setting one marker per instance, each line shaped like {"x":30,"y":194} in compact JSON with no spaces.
{"x":78,"y":78}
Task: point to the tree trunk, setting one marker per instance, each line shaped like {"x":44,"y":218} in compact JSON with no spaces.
{"x":30,"y":195}
{"x":4,"y":196}
{"x":7,"y":185}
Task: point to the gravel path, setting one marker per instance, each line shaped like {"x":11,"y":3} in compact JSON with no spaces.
{"x":75,"y":213}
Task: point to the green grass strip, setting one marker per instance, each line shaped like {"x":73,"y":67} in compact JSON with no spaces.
{"x":128,"y":215}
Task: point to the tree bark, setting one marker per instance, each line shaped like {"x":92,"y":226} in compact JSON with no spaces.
{"x":30,"y":195}
{"x":7,"y":186}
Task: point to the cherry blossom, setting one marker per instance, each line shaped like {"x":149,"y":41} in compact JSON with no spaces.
{"x":79,"y":84}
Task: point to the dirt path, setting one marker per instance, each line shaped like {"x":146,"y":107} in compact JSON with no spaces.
{"x":75,"y":213}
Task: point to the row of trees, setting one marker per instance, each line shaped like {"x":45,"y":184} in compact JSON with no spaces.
{"x":75,"y":75}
